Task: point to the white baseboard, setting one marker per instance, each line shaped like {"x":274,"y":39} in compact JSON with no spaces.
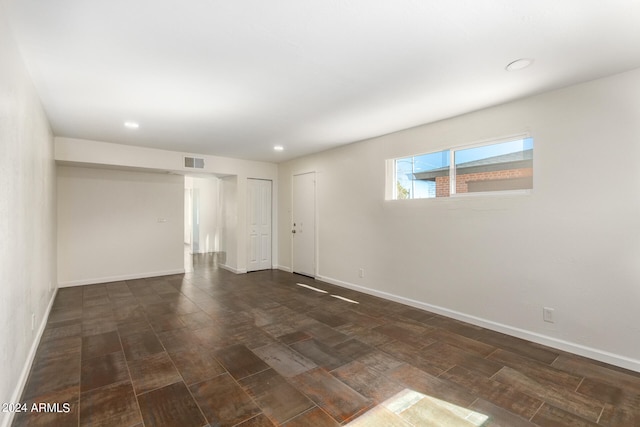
{"x":233,"y":270}
{"x":284,"y":268}
{"x":579,"y":349}
{"x":26,"y":369}
{"x":109,"y":279}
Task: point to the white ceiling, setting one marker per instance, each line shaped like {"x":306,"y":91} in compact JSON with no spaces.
{"x":236,"y":77}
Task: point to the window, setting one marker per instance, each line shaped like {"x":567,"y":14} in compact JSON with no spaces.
{"x":409,"y":171}
{"x":500,"y":166}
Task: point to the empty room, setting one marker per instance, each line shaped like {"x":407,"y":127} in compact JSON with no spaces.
{"x":320,"y":213}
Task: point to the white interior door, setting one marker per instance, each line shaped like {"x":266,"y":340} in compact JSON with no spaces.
{"x":303,"y":227}
{"x":259,"y":224}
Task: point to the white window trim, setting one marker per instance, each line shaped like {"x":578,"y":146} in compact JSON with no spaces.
{"x":524,"y":192}
{"x":452,"y":173}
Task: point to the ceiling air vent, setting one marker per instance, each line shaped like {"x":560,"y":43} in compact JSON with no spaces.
{"x":193,"y":163}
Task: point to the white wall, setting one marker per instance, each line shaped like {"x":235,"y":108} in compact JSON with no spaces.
{"x":573,"y":245}
{"x":27,"y":219}
{"x":104,"y":154}
{"x":115,"y":225}
{"x":229,"y":223}
{"x":208,"y":189}
{"x":187,"y":213}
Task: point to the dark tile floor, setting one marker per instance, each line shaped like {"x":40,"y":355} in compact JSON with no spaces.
{"x":214,"y":348}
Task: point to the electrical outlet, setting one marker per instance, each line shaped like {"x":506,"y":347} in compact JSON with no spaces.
{"x":548,"y":315}
{"x":361,"y":273}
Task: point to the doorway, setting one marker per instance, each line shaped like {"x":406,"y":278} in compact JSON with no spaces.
{"x":201,"y":219}
{"x":303,"y":228}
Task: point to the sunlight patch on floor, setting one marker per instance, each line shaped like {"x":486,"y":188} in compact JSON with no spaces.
{"x":345,"y":299}
{"x":325,"y":292}
{"x":410,"y":408}
{"x":312,"y":288}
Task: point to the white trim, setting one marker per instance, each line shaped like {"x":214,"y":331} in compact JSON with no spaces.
{"x":26,"y":369}
{"x":109,"y":279}
{"x":233,"y":270}
{"x":581,"y":350}
{"x":452,"y":174}
{"x":522,"y":192}
{"x":284,"y":268}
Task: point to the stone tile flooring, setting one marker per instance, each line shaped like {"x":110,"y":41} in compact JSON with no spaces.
{"x":213,"y":348}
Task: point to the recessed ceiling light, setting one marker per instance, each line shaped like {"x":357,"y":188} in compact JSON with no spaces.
{"x":131,"y":125}
{"x":278,"y":148}
{"x":519,"y":64}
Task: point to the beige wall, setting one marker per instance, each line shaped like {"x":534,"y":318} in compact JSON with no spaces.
{"x":229,"y":227}
{"x":27,"y":219}
{"x":572,"y":245}
{"x":96,"y":154}
{"x":116,"y":225}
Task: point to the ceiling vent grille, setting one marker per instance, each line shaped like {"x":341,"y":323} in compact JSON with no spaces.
{"x":193,"y":163}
